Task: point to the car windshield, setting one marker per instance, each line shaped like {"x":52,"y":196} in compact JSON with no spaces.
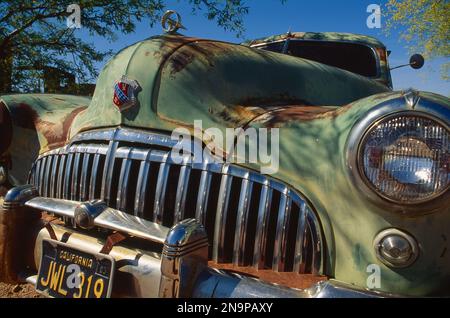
{"x":356,"y":58}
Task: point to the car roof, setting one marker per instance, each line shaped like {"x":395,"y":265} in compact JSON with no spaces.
{"x":319,"y":36}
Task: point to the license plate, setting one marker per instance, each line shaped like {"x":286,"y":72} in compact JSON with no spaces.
{"x":68,"y":272}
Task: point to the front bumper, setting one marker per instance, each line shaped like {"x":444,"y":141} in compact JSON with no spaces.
{"x":168,"y":262}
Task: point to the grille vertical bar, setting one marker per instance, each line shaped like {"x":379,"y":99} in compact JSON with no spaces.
{"x":67,"y":173}
{"x":53,"y":176}
{"x":37,"y":171}
{"x":301,"y":229}
{"x":122,"y":188}
{"x":261,"y":227}
{"x":241,"y":222}
{"x":48,"y":165}
{"x":59,"y":187}
{"x":221,"y":215}
{"x":42,"y":175}
{"x":158,"y":208}
{"x":74,"y":189}
{"x":182,"y":189}
{"x":203,"y":194}
{"x":94,"y":172}
{"x":141,"y":188}
{"x":283,"y":212}
{"x":108,"y":170}
{"x":84,"y":175}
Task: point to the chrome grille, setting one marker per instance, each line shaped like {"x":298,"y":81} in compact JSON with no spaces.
{"x":251,"y":220}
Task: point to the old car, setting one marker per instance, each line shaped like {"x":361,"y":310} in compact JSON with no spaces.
{"x":94,"y":205}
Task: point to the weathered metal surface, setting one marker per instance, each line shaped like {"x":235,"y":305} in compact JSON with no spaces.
{"x":226,"y":85}
{"x":217,"y":80}
{"x":40,"y":123}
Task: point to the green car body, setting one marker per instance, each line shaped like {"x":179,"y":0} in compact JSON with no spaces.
{"x":315,"y":107}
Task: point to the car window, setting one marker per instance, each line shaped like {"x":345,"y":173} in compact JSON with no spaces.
{"x":352,"y":57}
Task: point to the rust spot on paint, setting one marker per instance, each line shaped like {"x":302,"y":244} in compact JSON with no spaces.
{"x":203,"y":50}
{"x":297,"y":113}
{"x":54,"y":132}
{"x":170,"y":44}
{"x":288,"y":279}
{"x":179,"y":61}
{"x":60,"y":99}
{"x":70,"y":118}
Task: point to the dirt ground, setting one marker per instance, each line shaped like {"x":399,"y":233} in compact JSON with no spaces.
{"x":18,"y":291}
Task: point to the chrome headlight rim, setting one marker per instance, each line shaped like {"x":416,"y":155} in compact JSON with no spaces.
{"x":424,"y":108}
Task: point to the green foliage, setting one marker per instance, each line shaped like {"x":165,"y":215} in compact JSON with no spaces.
{"x":424,"y":24}
{"x":33,"y":33}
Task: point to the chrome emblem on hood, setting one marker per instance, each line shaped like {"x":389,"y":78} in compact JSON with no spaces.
{"x":125,"y":93}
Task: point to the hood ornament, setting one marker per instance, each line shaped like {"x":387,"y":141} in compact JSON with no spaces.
{"x":125,"y":93}
{"x":411,"y":97}
{"x":171,"y":22}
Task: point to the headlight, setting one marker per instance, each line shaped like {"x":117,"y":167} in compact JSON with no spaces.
{"x":405,"y":158}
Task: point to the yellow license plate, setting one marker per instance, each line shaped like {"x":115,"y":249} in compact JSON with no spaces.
{"x":68,"y":272}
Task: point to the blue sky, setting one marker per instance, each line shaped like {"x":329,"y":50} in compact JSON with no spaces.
{"x":268,"y":17}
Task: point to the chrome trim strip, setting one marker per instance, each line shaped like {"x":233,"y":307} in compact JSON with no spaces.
{"x":285,"y":236}
{"x":61,"y":207}
{"x":241,"y":222}
{"x":67,"y":172}
{"x":37,"y":173}
{"x":120,"y":221}
{"x":75,"y":182}
{"x":221,"y":215}
{"x":182,"y":189}
{"x":110,"y":219}
{"x":53,"y":176}
{"x":141,"y":188}
{"x":160,"y":192}
{"x":301,"y":229}
{"x":59,"y":187}
{"x":48,"y":167}
{"x":108,"y":172}
{"x":93,"y":181}
{"x":203,"y":195}
{"x":108,"y":168}
{"x":122,"y":188}
{"x":83,"y":182}
{"x":282,"y":222}
{"x":261,"y":227}
{"x":42,"y":175}
{"x":126,"y":135}
{"x":317,"y":253}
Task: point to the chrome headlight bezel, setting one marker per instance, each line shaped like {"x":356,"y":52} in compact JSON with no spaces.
{"x":392,"y":108}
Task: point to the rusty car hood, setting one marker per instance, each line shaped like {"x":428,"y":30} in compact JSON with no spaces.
{"x":184,"y":79}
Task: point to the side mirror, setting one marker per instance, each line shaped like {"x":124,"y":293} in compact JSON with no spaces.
{"x":417,"y":61}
